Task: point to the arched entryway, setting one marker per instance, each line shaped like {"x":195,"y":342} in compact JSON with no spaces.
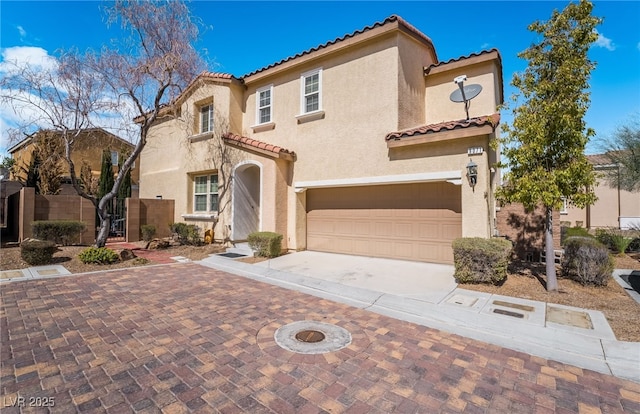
{"x":247,"y":201}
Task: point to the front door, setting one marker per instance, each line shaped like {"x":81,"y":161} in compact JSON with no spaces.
{"x":246,"y":201}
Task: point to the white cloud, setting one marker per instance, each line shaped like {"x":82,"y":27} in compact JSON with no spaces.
{"x":605,"y":42}
{"x":23,"y":33}
{"x":21,"y":55}
{"x":638,"y":45}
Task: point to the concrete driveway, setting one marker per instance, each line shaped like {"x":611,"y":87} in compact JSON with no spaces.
{"x":422,"y":281}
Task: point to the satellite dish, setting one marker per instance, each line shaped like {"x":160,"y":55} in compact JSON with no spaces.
{"x":464,"y":93}
{"x":470,"y":92}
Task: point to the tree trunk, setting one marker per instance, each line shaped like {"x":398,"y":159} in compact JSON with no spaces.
{"x":105,"y":224}
{"x":552,"y":280}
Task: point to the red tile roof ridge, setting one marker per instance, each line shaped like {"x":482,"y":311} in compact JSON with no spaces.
{"x":479,"y":121}
{"x":390,"y":19}
{"x":469,"y":56}
{"x":256,"y":143}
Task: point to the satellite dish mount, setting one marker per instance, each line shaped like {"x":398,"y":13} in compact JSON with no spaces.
{"x":465,"y":93}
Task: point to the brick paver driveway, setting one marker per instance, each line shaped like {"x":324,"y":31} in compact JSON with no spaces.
{"x":186,"y":338}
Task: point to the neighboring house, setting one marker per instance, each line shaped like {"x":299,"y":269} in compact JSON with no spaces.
{"x":353,"y":146}
{"x":88,"y":148}
{"x":615,"y":207}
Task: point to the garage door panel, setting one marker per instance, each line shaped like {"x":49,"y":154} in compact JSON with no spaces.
{"x":408,"y":221}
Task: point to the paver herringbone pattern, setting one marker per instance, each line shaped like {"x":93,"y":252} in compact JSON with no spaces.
{"x":186,"y":338}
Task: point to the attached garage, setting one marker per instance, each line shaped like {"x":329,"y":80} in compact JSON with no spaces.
{"x":415,"y":221}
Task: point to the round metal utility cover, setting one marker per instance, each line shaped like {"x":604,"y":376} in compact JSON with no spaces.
{"x":306,"y":337}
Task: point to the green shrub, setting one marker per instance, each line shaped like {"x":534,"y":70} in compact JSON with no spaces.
{"x":617,"y":240}
{"x":587,"y":261}
{"x":37,"y":252}
{"x":577,"y":231}
{"x":148,"y":231}
{"x":98,"y":255}
{"x":64,"y":232}
{"x":266,"y":243}
{"x":186,"y":233}
{"x":479,"y":260}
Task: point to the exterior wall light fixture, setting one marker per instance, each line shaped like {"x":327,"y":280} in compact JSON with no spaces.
{"x":472,"y":173}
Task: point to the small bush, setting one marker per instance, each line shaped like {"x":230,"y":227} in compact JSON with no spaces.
{"x":577,"y":231}
{"x":98,"y":255}
{"x":266,"y":243}
{"x":148,"y":231}
{"x":37,"y":252}
{"x":186,"y":233}
{"x":587,"y":261}
{"x":64,"y":232}
{"x":479,"y":260}
{"x":620,"y":241}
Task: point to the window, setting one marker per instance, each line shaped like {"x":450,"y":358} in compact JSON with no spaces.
{"x":206,"y":119}
{"x":311,"y":99}
{"x":264,"y":101}
{"x":565,"y":205}
{"x":114,"y":157}
{"x":205,"y":193}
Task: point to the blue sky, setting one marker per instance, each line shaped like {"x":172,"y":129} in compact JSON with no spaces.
{"x":244,"y":36}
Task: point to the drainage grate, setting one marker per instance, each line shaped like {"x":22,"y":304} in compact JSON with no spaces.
{"x":310,"y":336}
{"x":231,"y":255}
{"x":508,"y":313}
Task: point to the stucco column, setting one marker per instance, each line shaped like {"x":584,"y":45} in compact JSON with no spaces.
{"x":475,"y":203}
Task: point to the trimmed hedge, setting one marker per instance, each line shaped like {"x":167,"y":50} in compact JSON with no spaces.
{"x":148,"y":231}
{"x":98,"y":255}
{"x":64,"y":232}
{"x":266,"y":243}
{"x":587,"y":261}
{"x":37,"y":252}
{"x":186,"y":233}
{"x":479,"y":260}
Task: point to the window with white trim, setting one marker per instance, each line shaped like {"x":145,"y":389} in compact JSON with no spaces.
{"x":114,"y":157}
{"x":311,"y":91}
{"x":205,"y":193}
{"x":264,"y":103}
{"x":565,"y":206}
{"x":206,"y":118}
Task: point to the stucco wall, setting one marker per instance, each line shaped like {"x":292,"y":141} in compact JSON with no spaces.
{"x":611,"y":204}
{"x":439,"y":106}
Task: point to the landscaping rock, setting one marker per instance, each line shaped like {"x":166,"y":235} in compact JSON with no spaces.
{"x":127,"y":254}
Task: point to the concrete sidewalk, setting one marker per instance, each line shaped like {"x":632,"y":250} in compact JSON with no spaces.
{"x":427,"y":294}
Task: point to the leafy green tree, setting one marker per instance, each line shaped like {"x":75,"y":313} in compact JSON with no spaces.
{"x":33,"y":173}
{"x":544,"y":148}
{"x":125,"y":187}
{"x":105,"y":185}
{"x":623,"y":150}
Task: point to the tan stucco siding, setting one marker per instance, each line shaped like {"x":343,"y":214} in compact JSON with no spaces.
{"x":413,"y":56}
{"x":356,"y":115}
{"x":439,"y":106}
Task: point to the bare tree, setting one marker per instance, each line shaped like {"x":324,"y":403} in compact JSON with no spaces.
{"x":135,"y":77}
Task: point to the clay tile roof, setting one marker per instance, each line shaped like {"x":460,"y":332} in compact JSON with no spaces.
{"x":254,"y":143}
{"x":492,"y":120}
{"x":484,"y":52}
{"x":390,"y":19}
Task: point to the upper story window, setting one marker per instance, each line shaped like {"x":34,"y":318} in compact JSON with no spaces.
{"x":311,"y":91}
{"x":205,"y":193}
{"x":206,"y":118}
{"x":264,"y":103}
{"x":114,"y":157}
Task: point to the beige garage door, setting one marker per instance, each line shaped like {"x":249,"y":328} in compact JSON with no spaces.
{"x":400,"y":221}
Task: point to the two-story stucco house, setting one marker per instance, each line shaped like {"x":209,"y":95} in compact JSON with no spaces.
{"x":354,"y":146}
